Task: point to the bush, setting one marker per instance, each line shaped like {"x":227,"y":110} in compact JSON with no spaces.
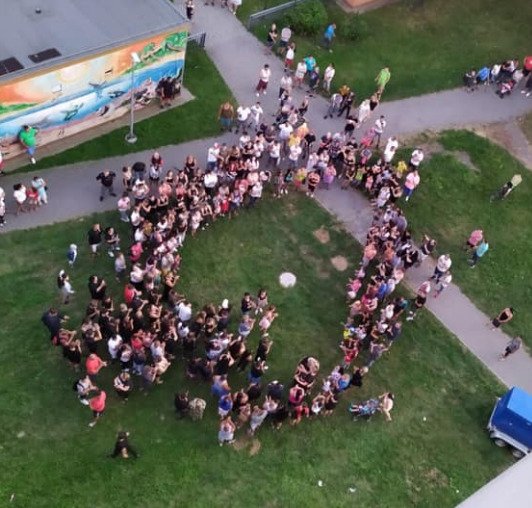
{"x":354,"y":28}
{"x":308,"y":18}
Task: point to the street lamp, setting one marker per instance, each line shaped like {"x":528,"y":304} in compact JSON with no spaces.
{"x":130,"y":136}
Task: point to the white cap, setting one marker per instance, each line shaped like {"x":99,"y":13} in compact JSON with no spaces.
{"x":225,"y":303}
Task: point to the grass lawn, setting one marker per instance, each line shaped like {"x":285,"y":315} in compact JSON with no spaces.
{"x":526,"y":125}
{"x":51,"y":457}
{"x":195,"y":119}
{"x":453,"y":199}
{"x":427,"y":48}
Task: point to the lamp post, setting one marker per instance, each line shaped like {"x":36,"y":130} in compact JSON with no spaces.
{"x":131,"y":136}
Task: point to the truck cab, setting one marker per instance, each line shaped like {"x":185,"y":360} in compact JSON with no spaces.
{"x":510,"y":423}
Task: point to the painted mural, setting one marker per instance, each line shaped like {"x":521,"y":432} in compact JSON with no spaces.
{"x":76,"y":97}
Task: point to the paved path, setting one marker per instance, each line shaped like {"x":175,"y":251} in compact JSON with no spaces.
{"x":239,"y":56}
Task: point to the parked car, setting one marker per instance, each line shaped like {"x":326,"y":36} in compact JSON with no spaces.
{"x":510,"y":423}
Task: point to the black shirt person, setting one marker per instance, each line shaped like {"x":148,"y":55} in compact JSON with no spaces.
{"x":52,"y":319}
{"x":106,"y":178}
{"x":122,"y":447}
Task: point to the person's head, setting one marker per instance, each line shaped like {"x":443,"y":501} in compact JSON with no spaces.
{"x":266,"y":66}
{"x":26,"y":127}
{"x":96,"y":227}
{"x":274,"y":26}
{"x":73,"y":247}
{"x":52,"y":311}
{"x":93,"y":278}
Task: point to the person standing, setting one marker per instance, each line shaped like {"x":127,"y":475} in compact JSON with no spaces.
{"x":122,"y":384}
{"x":420,"y":300}
{"x":286,"y":34}
{"x":226,"y":434}
{"x":226,"y":114}
{"x":416,"y":158}
{"x":189,"y":5}
{"x":511,"y":347}
{"x":411,"y":182}
{"x":94,"y":237}
{"x":124,"y":204}
{"x":382,"y":79}
{"x":93,"y":365}
{"x":28,"y":138}
{"x":97,"y":404}
{"x":443,"y":283}
{"x":2,"y":207}
{"x":474,"y":239}
{"x":285,"y":85}
{"x":256,"y":115}
{"x":242,"y":116}
{"x":328,"y":36}
{"x":328,"y":76}
{"x":481,"y":249}
{"x":264,"y":78}
{"x":389,"y":150}
{"x":347,"y":104}
{"x":39,"y":185}
{"x":289,"y":56}
{"x":505,"y":316}
{"x":443,"y":265}
{"x":122,"y":446}
{"x":106,"y":179}
{"x":378,"y":129}
{"x":271,"y":38}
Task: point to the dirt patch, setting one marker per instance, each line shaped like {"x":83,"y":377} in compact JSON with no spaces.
{"x":436,"y":478}
{"x":322,"y":235}
{"x":465,"y":159}
{"x":291,"y":209}
{"x":241,"y":443}
{"x":255,"y":447}
{"x":340,"y":263}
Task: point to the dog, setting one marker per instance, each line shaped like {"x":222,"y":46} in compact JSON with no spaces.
{"x":196,"y":408}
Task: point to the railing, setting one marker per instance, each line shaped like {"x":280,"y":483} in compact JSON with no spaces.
{"x":272,"y":11}
{"x":198,"y":38}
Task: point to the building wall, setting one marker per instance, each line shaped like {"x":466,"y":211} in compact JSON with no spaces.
{"x":62,"y":101}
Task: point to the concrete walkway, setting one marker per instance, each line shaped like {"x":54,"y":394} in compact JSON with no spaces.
{"x":239,"y":56}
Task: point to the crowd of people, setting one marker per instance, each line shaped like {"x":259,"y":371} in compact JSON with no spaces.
{"x":504,"y":76}
{"x":151,"y":325}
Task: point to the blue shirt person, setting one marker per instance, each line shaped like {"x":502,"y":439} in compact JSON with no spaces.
{"x":328,"y":36}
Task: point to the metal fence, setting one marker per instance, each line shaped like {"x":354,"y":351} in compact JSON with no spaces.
{"x":272,"y":11}
{"x":198,"y":38}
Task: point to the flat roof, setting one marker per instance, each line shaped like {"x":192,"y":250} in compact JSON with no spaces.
{"x":511,"y":488}
{"x":76,"y":28}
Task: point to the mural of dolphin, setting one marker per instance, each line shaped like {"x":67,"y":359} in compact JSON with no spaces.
{"x":98,"y":88}
{"x":72,"y":112}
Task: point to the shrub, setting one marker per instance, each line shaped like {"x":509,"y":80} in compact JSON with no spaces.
{"x":354,"y":28}
{"x":308,"y":18}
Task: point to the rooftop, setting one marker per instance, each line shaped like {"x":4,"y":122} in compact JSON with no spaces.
{"x":30,"y":28}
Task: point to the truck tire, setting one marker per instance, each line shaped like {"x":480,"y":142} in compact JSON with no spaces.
{"x":499,"y":442}
{"x":518,"y":454}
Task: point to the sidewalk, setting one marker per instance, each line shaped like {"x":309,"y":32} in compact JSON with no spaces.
{"x":239,"y":56}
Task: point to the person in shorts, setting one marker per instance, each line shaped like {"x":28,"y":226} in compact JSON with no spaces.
{"x":97,"y":404}
{"x":504,"y":316}
{"x":94,"y":237}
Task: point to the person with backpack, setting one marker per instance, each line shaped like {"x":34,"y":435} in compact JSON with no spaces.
{"x":83,"y":387}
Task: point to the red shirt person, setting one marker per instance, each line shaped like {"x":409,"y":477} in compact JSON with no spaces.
{"x":97,"y":404}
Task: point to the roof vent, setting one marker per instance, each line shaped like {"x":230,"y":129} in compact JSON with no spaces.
{"x":10,"y":65}
{"x":44,"y":55}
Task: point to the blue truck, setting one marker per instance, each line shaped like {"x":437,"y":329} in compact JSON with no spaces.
{"x":510,"y":423}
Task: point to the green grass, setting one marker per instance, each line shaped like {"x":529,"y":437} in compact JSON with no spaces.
{"x":427,"y":49}
{"x":195,"y":119}
{"x":59,"y":461}
{"x":453,"y":199}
